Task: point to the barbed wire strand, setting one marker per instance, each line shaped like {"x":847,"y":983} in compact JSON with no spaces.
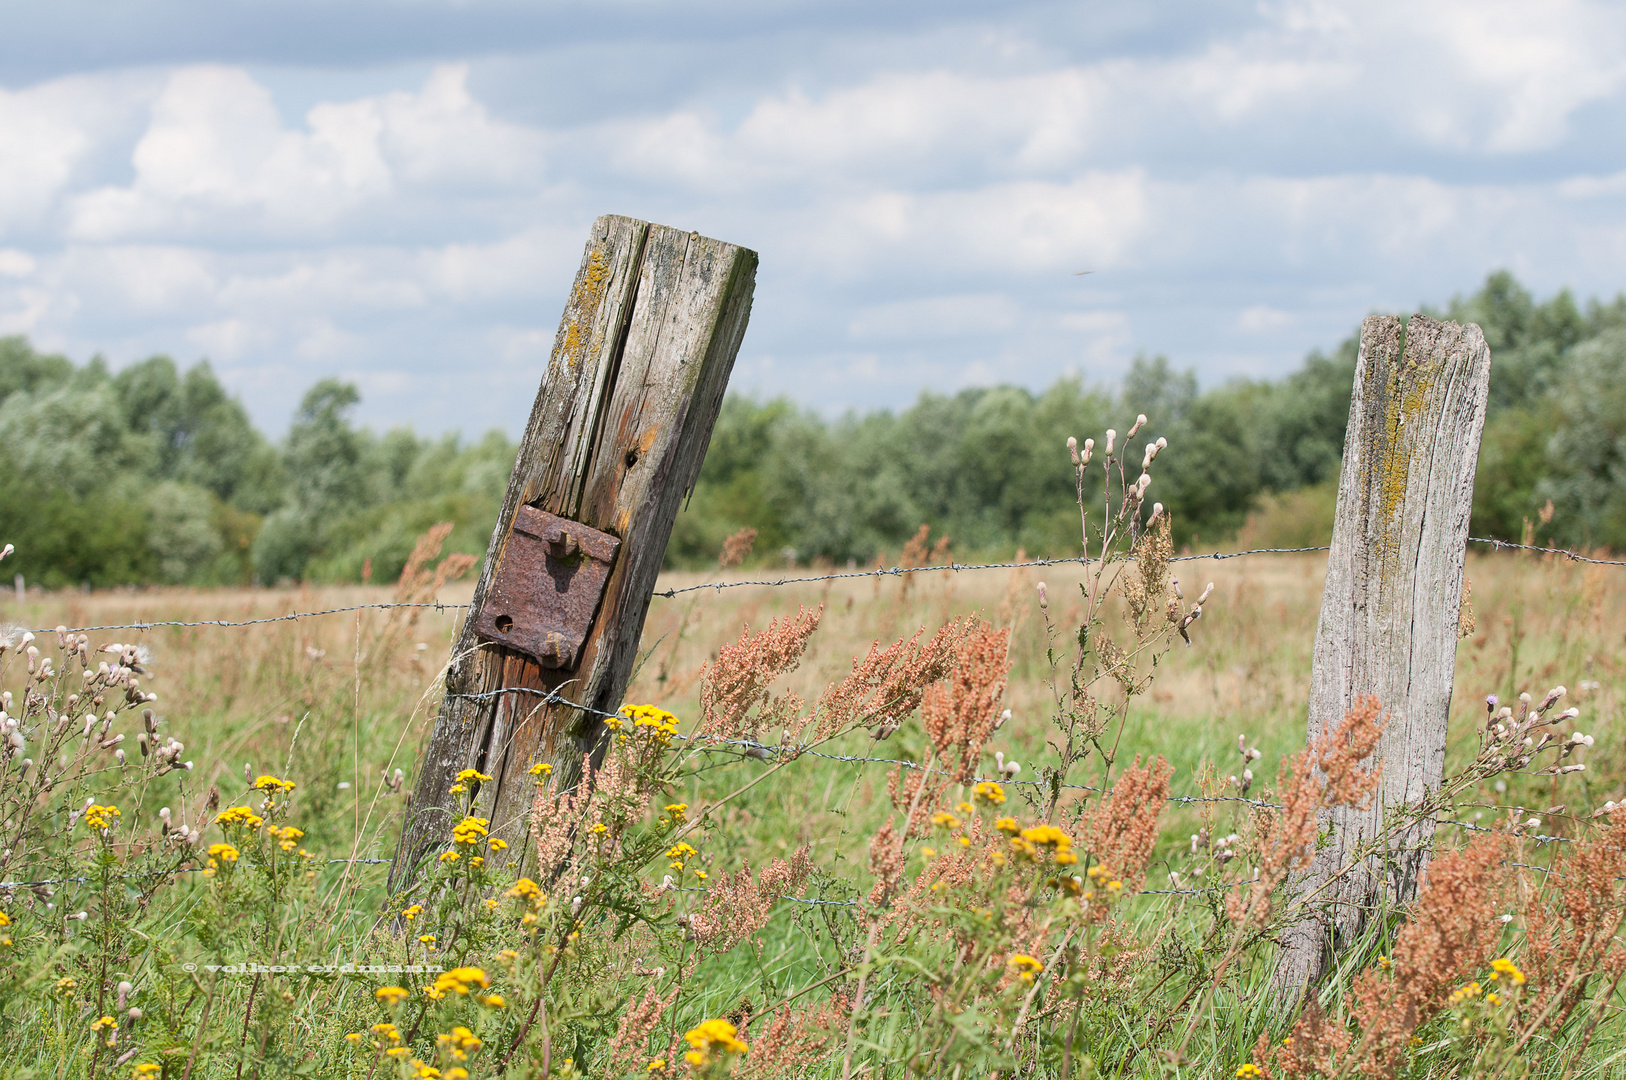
{"x":166,"y":873}
{"x":719,"y":586}
{"x":292,"y":616}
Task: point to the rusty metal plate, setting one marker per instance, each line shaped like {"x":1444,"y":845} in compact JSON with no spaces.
{"x":547,"y":588}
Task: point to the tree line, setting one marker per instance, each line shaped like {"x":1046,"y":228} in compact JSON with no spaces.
{"x":152,"y":474}
{"x":988,"y":467}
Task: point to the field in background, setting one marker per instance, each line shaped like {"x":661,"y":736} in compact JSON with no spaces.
{"x":340,"y":701}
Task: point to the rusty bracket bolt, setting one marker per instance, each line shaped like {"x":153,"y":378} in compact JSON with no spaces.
{"x":554,"y":647}
{"x":564,"y":545}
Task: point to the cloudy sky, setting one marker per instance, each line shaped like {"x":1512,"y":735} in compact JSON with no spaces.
{"x":397,"y":191}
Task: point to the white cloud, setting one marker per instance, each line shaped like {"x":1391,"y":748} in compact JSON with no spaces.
{"x":1243,"y":197}
{"x":15,"y":263}
{"x":1262,"y":319}
{"x":216,"y":159}
{"x":936,"y":316}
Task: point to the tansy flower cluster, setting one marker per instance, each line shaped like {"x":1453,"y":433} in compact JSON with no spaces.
{"x":1504,"y":966}
{"x":385,"y":1036}
{"x":471,"y":830}
{"x":988,"y":792}
{"x":239,"y":815}
{"x":1466,"y":993}
{"x":458,"y":1043}
{"x":710,"y":1041}
{"x":678,"y":853}
{"x":220,"y":853}
{"x":464,"y":980}
{"x":287,"y":836}
{"x":271,"y":783}
{"x":101,"y":817}
{"x":660,"y":724}
{"x":467,"y":776}
{"x":1025,"y":967}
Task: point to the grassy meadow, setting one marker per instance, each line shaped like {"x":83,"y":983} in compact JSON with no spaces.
{"x":339,"y":702}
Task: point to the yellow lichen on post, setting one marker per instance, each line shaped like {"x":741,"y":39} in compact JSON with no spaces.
{"x":1410,"y":390}
{"x":584,"y":301}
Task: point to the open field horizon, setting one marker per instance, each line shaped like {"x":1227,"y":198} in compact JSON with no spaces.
{"x":241,"y":692}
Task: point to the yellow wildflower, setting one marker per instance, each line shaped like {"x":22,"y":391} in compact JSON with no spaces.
{"x":412,"y":912}
{"x":223,"y":852}
{"x":526,"y":889}
{"x":1048,"y":836}
{"x":386,"y":1033}
{"x":288,"y":835}
{"x":989,"y":792}
{"x":427,"y":939}
{"x":146,"y":1071}
{"x":711,"y":1040}
{"x":1472,"y":990}
{"x":470,"y":830}
{"x":677,"y":811}
{"x":1249,"y":1071}
{"x":391,"y":996}
{"x":494,"y":1001}
{"x":461,"y":980}
{"x":1504,"y":966}
{"x":541,"y":768}
{"x":945,"y":820}
{"x":449,"y":856}
{"x":1026,"y":967}
{"x":497,"y":845}
{"x":239,"y":815}
{"x":101,"y":817}
{"x":1007,"y":825}
{"x":472,"y":774}
{"x":458,"y":1043}
{"x":268,"y":783}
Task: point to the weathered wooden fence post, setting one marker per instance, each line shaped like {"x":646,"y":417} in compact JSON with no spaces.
{"x":615,"y":441}
{"x":1389,"y":614}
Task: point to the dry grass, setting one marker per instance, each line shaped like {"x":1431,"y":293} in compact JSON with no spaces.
{"x":238,"y":694}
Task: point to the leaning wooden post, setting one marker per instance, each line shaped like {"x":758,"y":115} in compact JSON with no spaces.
{"x":1389,"y":613}
{"x":615,"y":441}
